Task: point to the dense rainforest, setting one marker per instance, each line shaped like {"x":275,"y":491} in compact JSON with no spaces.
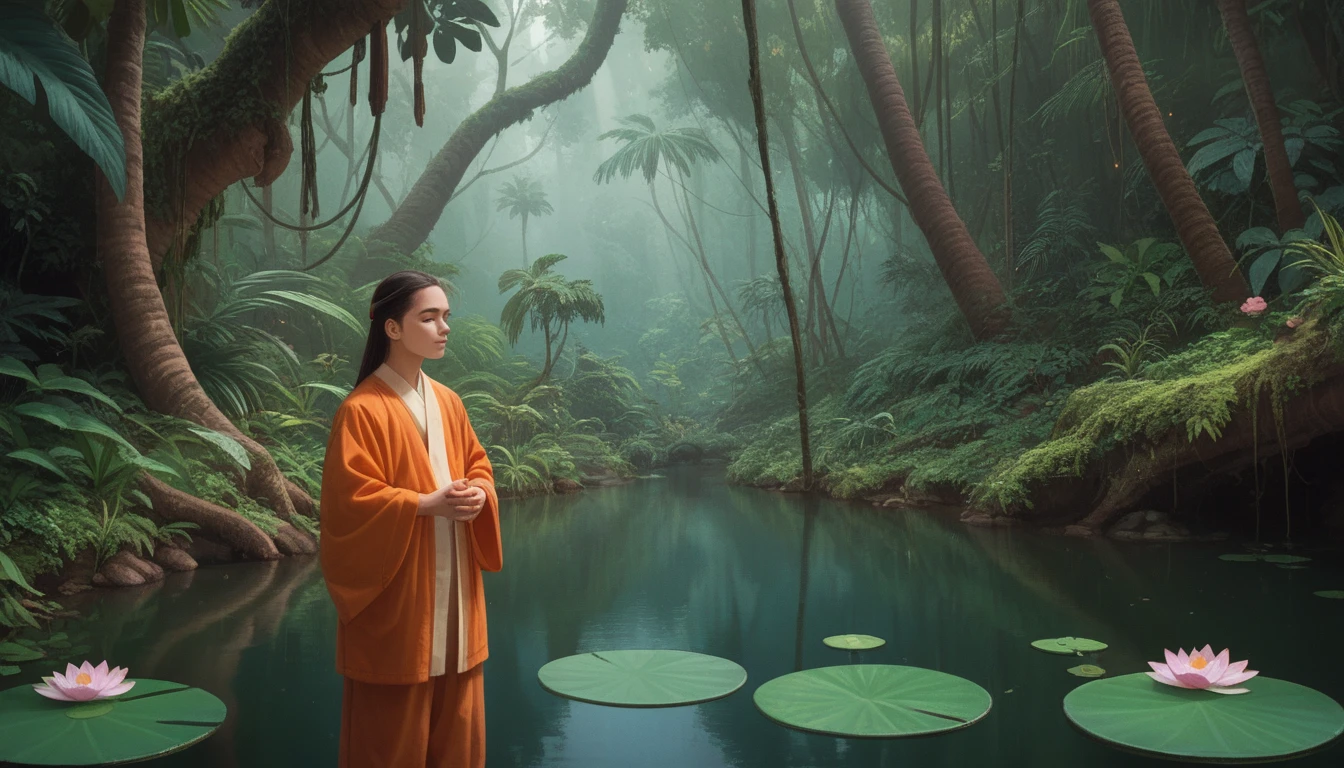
{"x":1074,"y":263}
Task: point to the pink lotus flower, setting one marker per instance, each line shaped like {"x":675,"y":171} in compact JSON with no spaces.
{"x":84,"y":683}
{"x":1254,"y":306}
{"x":1201,"y":670}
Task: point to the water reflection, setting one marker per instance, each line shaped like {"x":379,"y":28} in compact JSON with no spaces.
{"x":688,"y":562}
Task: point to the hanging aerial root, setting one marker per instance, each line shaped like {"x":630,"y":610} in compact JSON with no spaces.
{"x":378,"y":68}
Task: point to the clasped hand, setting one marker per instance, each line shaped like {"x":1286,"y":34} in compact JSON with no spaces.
{"x":455,"y":501}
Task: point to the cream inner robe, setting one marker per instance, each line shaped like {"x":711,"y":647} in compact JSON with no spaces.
{"x":449,"y":535}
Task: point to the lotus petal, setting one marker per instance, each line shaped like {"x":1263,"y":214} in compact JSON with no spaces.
{"x":1162,"y":674}
{"x":1237,"y":679}
{"x":117,"y":690}
{"x":52,"y":693}
{"x":1193,"y":680}
{"x":1230,"y":690}
{"x":1219,"y":665}
{"x":115,"y":677}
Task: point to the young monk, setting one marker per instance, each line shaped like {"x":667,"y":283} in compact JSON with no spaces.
{"x":409,"y":519}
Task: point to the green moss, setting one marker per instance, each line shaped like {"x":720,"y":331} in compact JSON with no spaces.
{"x":219,"y":100}
{"x":1209,"y":384}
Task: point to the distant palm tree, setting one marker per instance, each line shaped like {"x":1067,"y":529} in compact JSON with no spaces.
{"x":523,"y":197}
{"x":676,"y":150}
{"x":550,"y":303}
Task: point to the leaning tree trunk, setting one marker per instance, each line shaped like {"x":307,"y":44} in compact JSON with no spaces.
{"x":412,"y":221}
{"x":973,"y":284}
{"x":781,"y":261}
{"x":1194,"y":226}
{"x":137,"y":306}
{"x":1253,"y":74}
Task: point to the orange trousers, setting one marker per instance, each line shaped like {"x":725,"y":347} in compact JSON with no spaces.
{"x":435,"y":724}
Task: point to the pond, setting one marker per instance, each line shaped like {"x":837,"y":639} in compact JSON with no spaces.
{"x":690,"y":562}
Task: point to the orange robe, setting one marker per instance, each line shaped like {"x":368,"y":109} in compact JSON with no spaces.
{"x":409,"y":648}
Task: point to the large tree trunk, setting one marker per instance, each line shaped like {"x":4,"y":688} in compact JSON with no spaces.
{"x":221,"y":138}
{"x":781,"y":261}
{"x":1253,"y":74}
{"x":410,"y":225}
{"x":973,"y":284}
{"x":1194,"y":226}
{"x":138,"y":311}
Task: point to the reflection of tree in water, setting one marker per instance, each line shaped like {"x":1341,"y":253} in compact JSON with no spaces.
{"x":198,"y":635}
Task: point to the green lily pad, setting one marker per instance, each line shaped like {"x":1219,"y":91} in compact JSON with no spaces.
{"x":8,"y":669}
{"x":1334,"y":594}
{"x":642,"y":678}
{"x":1275,"y":721}
{"x":1068,"y":645}
{"x":1286,"y":559}
{"x":872,"y":701}
{"x":153,"y":719}
{"x":1239,"y":558}
{"x":1087,"y":670}
{"x":854,"y":642}
{"x":1292,"y":567}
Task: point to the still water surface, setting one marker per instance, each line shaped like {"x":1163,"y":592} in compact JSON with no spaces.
{"x":689,"y":562}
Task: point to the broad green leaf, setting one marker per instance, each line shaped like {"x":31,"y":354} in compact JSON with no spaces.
{"x":1262,"y":268}
{"x":16,"y":368}
{"x":37,"y":458}
{"x":477,"y":10}
{"x":1215,"y":152}
{"x":1294,"y":149}
{"x":642,"y":678}
{"x":181,"y":24}
{"x":16,"y":652}
{"x":11,"y":572}
{"x":232,"y":448}
{"x":872,"y":700}
{"x":72,"y":384}
{"x":6,"y":670}
{"x":445,"y":45}
{"x":1243,"y":165}
{"x":1275,"y":720}
{"x":1208,"y":134}
{"x":468,"y":36}
{"x":72,"y":421}
{"x":1117,"y":296}
{"x":1256,"y":236}
{"x":31,"y":46}
{"x":1153,"y":282}
{"x":1113,"y":254}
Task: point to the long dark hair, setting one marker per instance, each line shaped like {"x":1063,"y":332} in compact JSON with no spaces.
{"x":391,"y":300}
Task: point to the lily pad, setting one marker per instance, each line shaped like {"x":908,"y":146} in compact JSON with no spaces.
{"x":1068,"y":645}
{"x":1292,"y":567}
{"x":1087,"y":670}
{"x":872,"y":701}
{"x":854,"y":642}
{"x":1333,"y":594}
{"x":1286,"y":559}
{"x":1277,"y":720}
{"x":642,"y":678}
{"x":155,"y":718}
{"x":1239,"y":558}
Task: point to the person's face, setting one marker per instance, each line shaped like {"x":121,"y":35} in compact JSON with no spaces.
{"x":423,"y":331}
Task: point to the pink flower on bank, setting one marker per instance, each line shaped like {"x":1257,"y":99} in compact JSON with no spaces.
{"x":84,"y":683}
{"x":1201,"y":670}
{"x":1254,"y":306}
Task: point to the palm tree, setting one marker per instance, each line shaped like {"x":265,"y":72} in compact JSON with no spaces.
{"x":523,"y":197}
{"x":1194,"y":226}
{"x":676,"y":149}
{"x":550,"y":303}
{"x":1280,"y":172}
{"x":974,"y":285}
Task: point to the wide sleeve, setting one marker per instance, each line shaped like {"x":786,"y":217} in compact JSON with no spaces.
{"x":485,"y":538}
{"x":366,"y":521}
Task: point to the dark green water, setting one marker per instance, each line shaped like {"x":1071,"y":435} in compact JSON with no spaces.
{"x":688,"y":562}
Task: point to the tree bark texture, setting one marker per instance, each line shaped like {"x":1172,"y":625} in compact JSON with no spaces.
{"x":1253,"y":73}
{"x":1195,"y":227}
{"x":974,"y":285}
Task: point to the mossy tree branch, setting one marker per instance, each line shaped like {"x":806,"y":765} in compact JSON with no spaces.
{"x":226,"y":123}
